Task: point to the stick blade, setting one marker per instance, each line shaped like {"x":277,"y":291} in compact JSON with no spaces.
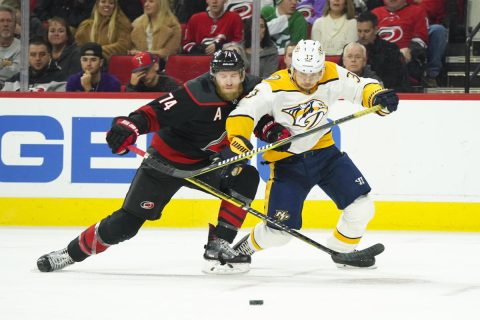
{"x":364,"y":254}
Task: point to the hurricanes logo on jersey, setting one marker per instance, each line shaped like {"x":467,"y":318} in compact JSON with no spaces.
{"x":308,"y":114}
{"x":281,"y":215}
{"x":391,"y":34}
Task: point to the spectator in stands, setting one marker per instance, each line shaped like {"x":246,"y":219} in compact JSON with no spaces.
{"x":43,"y":72}
{"x":405,"y":25}
{"x":268,"y":49}
{"x":36,"y":27}
{"x":311,"y":9}
{"x":157,"y":30}
{"x":185,"y":9}
{"x":354,"y":59}
{"x":337,"y":27}
{"x":437,"y":38}
{"x":287,"y":59}
{"x":384,"y":57}
{"x":108,"y":26}
{"x":208,"y":31}
{"x":9,"y":45}
{"x":64,"y":50}
{"x":285,"y":23}
{"x":147,"y":75}
{"x":91,"y":78}
{"x":73,"y":11}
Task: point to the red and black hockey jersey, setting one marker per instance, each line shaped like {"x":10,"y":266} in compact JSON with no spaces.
{"x":189,"y":123}
{"x":203,"y":29}
{"x":403,"y":26}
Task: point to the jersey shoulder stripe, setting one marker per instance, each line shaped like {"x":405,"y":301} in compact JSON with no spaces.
{"x":330,"y":73}
{"x":280,"y":81}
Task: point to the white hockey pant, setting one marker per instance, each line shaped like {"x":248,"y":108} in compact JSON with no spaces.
{"x":352,"y":225}
{"x":263,"y":237}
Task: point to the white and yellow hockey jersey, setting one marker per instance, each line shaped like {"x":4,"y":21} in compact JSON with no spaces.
{"x":297,"y":110}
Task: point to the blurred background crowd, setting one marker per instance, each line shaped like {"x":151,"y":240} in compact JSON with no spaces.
{"x":156,"y":45}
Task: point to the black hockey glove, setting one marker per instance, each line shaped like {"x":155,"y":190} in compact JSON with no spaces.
{"x":388,"y":99}
{"x":270,"y":131}
{"x":124,"y":132}
{"x":238,"y":145}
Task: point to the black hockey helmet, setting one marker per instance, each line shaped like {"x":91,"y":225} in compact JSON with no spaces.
{"x":226,"y":60}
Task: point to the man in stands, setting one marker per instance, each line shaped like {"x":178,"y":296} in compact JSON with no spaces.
{"x":91,"y":78}
{"x":43,"y":72}
{"x":354,"y":59}
{"x":285,"y":23}
{"x":9,"y":45}
{"x":147,"y":75}
{"x":437,"y":38}
{"x":384,"y":57}
{"x":189,"y":130}
{"x":407,"y":26}
{"x":287,"y":59}
{"x":208,"y":31}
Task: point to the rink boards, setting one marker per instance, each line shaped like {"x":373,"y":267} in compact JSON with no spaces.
{"x":421,"y":162}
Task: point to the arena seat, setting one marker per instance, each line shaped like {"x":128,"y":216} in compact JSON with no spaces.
{"x":186,"y":67}
{"x":121,"y":67}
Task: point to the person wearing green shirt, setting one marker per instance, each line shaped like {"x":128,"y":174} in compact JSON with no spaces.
{"x":285,"y":23}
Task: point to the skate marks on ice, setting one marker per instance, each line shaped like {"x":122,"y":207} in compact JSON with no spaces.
{"x":160,"y":270}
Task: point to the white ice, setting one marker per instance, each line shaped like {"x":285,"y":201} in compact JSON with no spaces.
{"x":157,"y":275}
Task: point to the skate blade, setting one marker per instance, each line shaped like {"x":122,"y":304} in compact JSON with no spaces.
{"x":346,"y":266}
{"x":215,"y":267}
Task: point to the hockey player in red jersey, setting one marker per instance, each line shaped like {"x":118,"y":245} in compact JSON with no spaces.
{"x":189,"y":126}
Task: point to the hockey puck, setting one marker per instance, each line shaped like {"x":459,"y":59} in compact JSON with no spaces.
{"x":256,"y":302}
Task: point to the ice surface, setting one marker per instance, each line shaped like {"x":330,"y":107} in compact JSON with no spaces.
{"x":157,"y":275}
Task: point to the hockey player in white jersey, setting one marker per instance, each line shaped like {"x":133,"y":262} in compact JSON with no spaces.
{"x":294,"y":101}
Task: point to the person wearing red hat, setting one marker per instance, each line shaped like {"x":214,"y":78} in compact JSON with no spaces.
{"x":147,"y":75}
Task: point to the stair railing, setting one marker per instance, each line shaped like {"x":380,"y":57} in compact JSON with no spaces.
{"x":468,"y":46}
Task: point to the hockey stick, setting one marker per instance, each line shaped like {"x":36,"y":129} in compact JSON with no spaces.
{"x":347,"y":257}
{"x":214,"y":166}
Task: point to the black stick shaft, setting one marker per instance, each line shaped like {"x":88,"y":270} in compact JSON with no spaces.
{"x":247,"y":155}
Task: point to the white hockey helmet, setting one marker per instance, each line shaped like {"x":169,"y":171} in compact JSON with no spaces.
{"x":308,"y":57}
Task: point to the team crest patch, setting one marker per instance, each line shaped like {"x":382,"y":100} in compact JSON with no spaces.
{"x":281,"y":215}
{"x":252,"y":93}
{"x":147,"y":205}
{"x":274,"y":77}
{"x":307,"y":115}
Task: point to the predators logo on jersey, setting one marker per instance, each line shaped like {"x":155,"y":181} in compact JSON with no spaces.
{"x":308,"y":114}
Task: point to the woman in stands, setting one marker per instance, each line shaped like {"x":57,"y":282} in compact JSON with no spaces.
{"x":157,"y":30}
{"x":337,"y":27}
{"x":108,"y":26}
{"x":64,"y":50}
{"x":268,"y":48}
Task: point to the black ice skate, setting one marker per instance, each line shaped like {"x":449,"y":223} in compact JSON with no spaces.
{"x":220,"y":258}
{"x":242,"y":246}
{"x":55,"y":260}
{"x":367,"y":263}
